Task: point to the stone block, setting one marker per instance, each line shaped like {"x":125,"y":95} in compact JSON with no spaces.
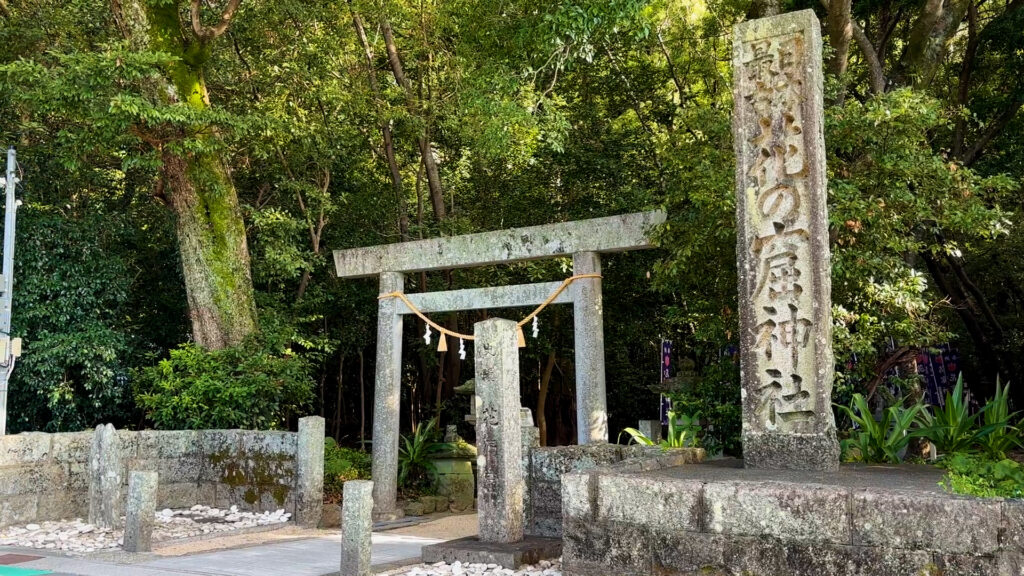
{"x":546,"y":497}
{"x":18,"y":509}
{"x":128,"y":441}
{"x":267,"y":442}
{"x":609,"y":547}
{"x":24,"y":448}
{"x":803,"y":512}
{"x":529,"y":550}
{"x":636,"y":500}
{"x":78,"y":476}
{"x":29,"y":479}
{"x":1012,"y":533}
{"x":941,"y":523}
{"x":309,"y":485}
{"x":71,"y":447}
{"x":217,"y":446}
{"x":140,"y":510}
{"x":356,"y":527}
{"x":177,"y":444}
{"x":549,"y":464}
{"x":183,"y":469}
{"x":415,"y":508}
{"x":61,"y":506}
{"x":179,"y":495}
{"x":577,"y":501}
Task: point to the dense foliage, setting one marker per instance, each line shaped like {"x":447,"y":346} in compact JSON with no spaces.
{"x":341,"y":465}
{"x":187,"y":174}
{"x":245,"y":386}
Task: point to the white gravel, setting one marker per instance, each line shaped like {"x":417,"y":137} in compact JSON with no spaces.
{"x":544,"y":568}
{"x":76,"y":536}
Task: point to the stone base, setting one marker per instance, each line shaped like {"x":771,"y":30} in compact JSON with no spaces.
{"x":530,"y":550}
{"x":721,"y":519}
{"x":388,"y":516}
{"x":791,"y":451}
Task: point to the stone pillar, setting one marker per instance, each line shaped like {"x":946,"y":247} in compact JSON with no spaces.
{"x":782,"y":244}
{"x":106,"y":475}
{"x":387,"y":395}
{"x":651,"y":429}
{"x":501,"y":483}
{"x":309,"y":501}
{"x":356,"y":527}
{"x":588,"y":322}
{"x":140,"y":512}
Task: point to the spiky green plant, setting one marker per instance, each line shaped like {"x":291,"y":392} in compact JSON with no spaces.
{"x":878,"y":440}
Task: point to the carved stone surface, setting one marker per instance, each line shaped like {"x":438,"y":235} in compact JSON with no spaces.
{"x":501,"y":482}
{"x":140,"y":512}
{"x":356,"y":527}
{"x":106,"y":474}
{"x":782,"y":244}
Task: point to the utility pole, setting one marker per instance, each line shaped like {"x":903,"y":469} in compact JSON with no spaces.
{"x":9,"y":349}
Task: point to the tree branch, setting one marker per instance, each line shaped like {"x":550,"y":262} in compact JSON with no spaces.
{"x":994,"y":128}
{"x":205,"y":34}
{"x":876,"y":72}
{"x":964,"y":83}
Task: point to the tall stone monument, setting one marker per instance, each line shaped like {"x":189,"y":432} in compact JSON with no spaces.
{"x":106,"y":476}
{"x":782,"y":244}
{"x":502,"y":486}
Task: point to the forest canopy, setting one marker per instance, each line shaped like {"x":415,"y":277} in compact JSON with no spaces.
{"x":188,"y":165}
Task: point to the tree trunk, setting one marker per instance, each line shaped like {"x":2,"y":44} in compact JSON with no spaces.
{"x":208,"y":220}
{"x":426,"y":150}
{"x":542,"y":398}
{"x":213,"y":249}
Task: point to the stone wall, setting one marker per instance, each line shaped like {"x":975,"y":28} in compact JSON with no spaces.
{"x":892,"y":522}
{"x":548,"y":465}
{"x":46,"y":476}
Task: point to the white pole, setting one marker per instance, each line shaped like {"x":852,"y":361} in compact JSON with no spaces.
{"x":7,"y":361}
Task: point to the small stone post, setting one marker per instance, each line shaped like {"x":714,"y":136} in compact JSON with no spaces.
{"x":588,"y":322}
{"x":309,"y":502}
{"x":387,"y":399}
{"x":356,"y":527}
{"x":106,"y":476}
{"x":140,"y":511}
{"x":502,"y":487}
{"x":785,"y":304}
{"x":651,"y":429}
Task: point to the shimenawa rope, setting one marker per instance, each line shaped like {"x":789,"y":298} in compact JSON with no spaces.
{"x":443,"y":345}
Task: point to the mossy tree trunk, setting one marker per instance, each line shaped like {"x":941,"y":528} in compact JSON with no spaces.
{"x":196,"y":181}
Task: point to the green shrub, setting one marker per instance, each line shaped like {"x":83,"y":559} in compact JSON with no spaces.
{"x":878,"y":441}
{"x":997,"y":416}
{"x":953,"y":428}
{"x":248,"y":386}
{"x":981,"y":476}
{"x":416,"y":468}
{"x":682,"y":432}
{"x":341,"y":465}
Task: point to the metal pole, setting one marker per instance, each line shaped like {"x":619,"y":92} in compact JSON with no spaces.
{"x":7,"y":361}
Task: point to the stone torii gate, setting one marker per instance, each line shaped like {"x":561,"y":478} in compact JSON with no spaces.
{"x":584,"y":240}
